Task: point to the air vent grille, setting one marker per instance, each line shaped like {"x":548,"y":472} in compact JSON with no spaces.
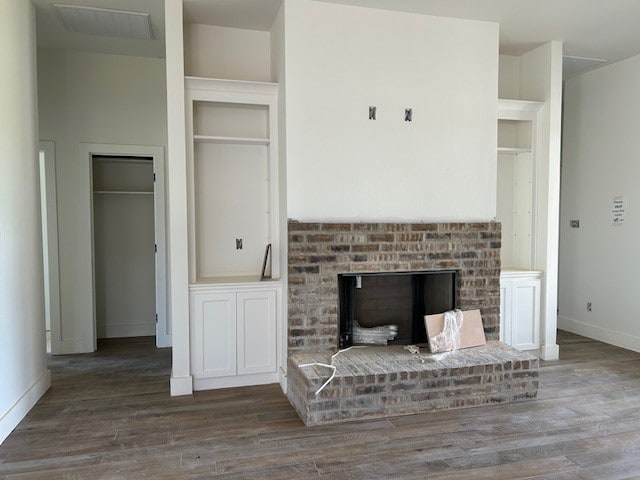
{"x":100,"y":21}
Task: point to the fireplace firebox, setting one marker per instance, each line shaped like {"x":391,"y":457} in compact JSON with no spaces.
{"x":401,"y":299}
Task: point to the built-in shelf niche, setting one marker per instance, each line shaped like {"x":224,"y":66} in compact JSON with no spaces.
{"x":514,"y":137}
{"x":223,"y":122}
{"x":122,"y":175}
{"x":516,"y":182}
{"x":233,"y":179}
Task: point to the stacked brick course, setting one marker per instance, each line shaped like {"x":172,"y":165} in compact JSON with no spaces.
{"x":375,"y":382}
{"x":318,"y":252}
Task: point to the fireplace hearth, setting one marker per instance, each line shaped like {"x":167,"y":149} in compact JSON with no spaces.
{"x":327,"y":260}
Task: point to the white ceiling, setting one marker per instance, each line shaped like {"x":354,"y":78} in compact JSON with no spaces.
{"x":602,"y":29}
{"x":605,"y":29}
{"x":52,"y":34}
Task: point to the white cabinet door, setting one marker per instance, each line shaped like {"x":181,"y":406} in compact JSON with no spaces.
{"x":256,"y":332}
{"x":214,"y":339}
{"x":525,"y":314}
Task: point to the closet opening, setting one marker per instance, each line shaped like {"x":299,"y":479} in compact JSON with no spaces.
{"x":121,"y":254}
{"x":124,"y":246}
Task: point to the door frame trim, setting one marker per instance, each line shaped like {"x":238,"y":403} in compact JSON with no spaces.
{"x":86,"y":245}
{"x":49,"y":205}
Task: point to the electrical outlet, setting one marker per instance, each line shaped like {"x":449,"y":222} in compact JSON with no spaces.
{"x":373,"y":111}
{"x":238,"y":244}
{"x":574,"y":223}
{"x":588,"y":306}
{"x":408,"y":114}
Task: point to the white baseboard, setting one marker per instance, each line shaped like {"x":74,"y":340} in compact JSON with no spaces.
{"x":549,"y":352}
{"x":612,"y":337}
{"x":235,"y":381}
{"x":163,"y":341}
{"x":127,"y":330}
{"x":283,"y":380}
{"x":68,"y":346}
{"x":181,"y":385}
{"x":12,"y":417}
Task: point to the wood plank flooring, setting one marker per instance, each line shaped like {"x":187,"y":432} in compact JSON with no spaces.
{"x":108,"y":415}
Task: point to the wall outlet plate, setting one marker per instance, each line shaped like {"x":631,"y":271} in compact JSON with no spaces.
{"x":574,"y":223}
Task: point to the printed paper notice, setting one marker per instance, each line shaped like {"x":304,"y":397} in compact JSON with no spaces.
{"x":618,"y":210}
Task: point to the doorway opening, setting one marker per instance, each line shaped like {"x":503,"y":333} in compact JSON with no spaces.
{"x":124,"y":222}
{"x":123,"y":246}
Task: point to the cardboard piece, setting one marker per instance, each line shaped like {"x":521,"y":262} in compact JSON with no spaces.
{"x":471,"y":332}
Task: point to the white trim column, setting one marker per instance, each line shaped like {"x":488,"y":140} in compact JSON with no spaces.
{"x":549,"y":349}
{"x":178,"y":246}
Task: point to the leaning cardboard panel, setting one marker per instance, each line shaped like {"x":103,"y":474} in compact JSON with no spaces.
{"x":471,"y":332}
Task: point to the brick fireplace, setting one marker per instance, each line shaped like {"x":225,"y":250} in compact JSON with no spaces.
{"x":318,"y":252}
{"x":374,"y":381}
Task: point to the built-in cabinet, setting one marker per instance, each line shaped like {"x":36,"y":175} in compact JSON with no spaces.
{"x":517,"y":169}
{"x":232,"y":167}
{"x":234,"y":334}
{"x":520,"y":308}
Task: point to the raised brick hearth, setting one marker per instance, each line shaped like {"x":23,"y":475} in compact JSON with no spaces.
{"x":375,"y":382}
{"x":319,"y":252}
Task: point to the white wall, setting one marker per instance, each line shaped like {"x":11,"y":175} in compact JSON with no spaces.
{"x":92,"y":98}
{"x":22,"y":319}
{"x":342,"y":59}
{"x":229,"y":53}
{"x":509,"y":77}
{"x":599,"y":262}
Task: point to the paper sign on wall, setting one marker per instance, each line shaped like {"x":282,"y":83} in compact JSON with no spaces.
{"x":618,"y":210}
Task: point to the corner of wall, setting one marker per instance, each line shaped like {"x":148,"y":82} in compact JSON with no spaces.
{"x":509,"y":77}
{"x":12,"y":417}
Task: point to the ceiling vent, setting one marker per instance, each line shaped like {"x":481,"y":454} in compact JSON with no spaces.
{"x":101,"y":21}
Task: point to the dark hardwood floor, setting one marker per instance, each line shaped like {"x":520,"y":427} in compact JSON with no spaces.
{"x":108,"y":415}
